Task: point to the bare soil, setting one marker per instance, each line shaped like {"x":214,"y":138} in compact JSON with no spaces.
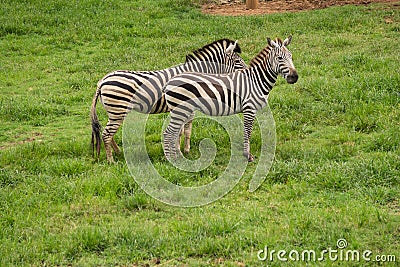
{"x":238,"y":8}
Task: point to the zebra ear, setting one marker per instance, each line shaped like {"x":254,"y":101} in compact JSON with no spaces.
{"x":231,"y":47}
{"x":272,"y":43}
{"x":287,"y":41}
{"x":234,"y":45}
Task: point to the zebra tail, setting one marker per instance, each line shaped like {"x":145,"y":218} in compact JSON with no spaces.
{"x":96,"y":127}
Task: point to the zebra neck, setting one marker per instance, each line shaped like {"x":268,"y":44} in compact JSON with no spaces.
{"x":263,"y":77}
{"x":203,"y":66}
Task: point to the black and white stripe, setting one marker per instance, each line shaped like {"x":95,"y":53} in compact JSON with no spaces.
{"x":122,"y":91}
{"x":243,"y":91}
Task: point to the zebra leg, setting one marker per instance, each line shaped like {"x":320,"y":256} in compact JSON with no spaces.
{"x":171,"y":137}
{"x":248,"y":117}
{"x":172,"y":133}
{"x":115,"y":146}
{"x":178,"y":141}
{"x":188,"y":133}
{"x":108,"y":138}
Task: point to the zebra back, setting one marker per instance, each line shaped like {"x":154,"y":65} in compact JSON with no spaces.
{"x":220,"y":56}
{"x":122,"y":91}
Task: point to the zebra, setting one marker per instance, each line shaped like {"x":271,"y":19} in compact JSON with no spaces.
{"x":243,"y":91}
{"x":121,"y":91}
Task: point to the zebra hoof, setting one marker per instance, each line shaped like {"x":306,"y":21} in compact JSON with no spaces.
{"x":250,"y":158}
{"x":170,"y":157}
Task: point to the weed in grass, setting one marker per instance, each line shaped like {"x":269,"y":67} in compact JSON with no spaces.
{"x":6,"y":178}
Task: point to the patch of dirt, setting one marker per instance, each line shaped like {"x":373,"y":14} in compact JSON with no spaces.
{"x":238,"y":8}
{"x":34,"y":137}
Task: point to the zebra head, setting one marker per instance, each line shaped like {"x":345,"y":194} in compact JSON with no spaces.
{"x":233,"y":61}
{"x":221,"y":56}
{"x":281,"y":59}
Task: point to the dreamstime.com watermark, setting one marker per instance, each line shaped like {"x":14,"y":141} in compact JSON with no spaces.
{"x":339,"y":253}
{"x":148,"y":177}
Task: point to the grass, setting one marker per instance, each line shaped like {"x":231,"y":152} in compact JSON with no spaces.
{"x":336,"y":170}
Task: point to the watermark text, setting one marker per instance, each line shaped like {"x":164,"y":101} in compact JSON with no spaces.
{"x":339,"y":253}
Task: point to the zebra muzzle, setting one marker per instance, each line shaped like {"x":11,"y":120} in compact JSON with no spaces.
{"x":292,"y":77}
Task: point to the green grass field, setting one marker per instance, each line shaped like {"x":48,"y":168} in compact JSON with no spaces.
{"x":336,"y":172}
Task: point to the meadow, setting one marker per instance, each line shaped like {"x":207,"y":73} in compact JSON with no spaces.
{"x":336,"y":173}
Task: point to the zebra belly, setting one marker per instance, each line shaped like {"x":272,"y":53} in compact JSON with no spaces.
{"x":185,"y":102}
{"x":215,"y":107}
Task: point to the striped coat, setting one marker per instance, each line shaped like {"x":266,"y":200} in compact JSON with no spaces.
{"x":244,"y":91}
{"x":123,"y":91}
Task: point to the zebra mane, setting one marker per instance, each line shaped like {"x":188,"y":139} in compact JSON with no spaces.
{"x":278,"y":41}
{"x":205,"y":50}
{"x":264,"y":53}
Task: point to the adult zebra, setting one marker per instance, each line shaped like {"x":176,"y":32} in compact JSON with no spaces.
{"x":122,"y":91}
{"x":219,"y":95}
